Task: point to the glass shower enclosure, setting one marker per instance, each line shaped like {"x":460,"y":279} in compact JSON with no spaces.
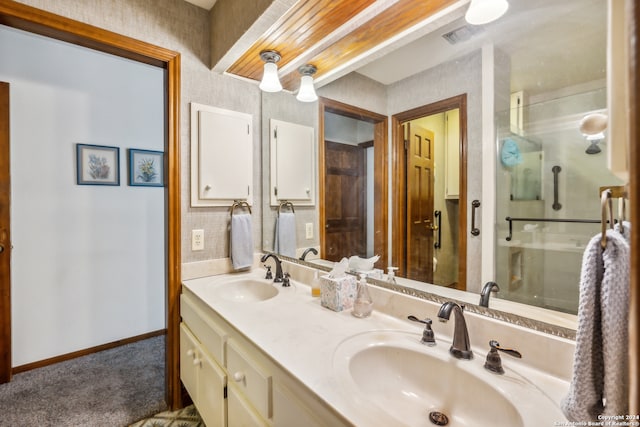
{"x":548,"y":183}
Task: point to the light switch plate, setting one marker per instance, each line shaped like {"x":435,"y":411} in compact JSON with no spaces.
{"x":197,"y":240}
{"x":309,"y":230}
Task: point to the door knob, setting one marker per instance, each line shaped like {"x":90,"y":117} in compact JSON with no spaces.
{"x":1,"y":248}
{"x":434,"y":227}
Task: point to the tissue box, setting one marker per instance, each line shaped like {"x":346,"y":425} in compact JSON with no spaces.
{"x":338,"y":294}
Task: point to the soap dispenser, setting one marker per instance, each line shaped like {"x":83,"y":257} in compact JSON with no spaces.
{"x":363,"y":304}
{"x":391,"y":275}
{"x":315,"y":284}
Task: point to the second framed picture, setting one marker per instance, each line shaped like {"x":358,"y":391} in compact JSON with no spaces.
{"x":146,"y":168}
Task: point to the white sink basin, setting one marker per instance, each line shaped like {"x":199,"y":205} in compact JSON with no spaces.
{"x":408,"y":383}
{"x":246,"y":290}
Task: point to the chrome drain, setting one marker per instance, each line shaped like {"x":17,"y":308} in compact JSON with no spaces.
{"x":438,"y":418}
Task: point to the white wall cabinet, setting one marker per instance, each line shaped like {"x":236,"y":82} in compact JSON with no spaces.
{"x":292,"y":163}
{"x":221,"y":156}
{"x":259,"y":393}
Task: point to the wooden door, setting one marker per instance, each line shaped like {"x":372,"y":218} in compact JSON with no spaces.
{"x":5,"y":241}
{"x":419,"y":203}
{"x":345,"y":201}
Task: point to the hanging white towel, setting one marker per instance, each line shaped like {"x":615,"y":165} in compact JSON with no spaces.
{"x":285,"y":240}
{"x":241,"y":241}
{"x":600,"y":368}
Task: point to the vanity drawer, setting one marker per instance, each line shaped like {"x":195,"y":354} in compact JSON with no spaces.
{"x":209,"y":334}
{"x":250,"y":378}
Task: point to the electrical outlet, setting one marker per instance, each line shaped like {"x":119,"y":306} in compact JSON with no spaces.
{"x":197,"y":240}
{"x":309,"y":230}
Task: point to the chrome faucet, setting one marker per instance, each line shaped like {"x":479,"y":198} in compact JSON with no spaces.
{"x":486,"y":293}
{"x":279,"y":275}
{"x":304,"y":254}
{"x":460,"y":349}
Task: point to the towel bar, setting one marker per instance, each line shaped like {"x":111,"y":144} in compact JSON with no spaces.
{"x":240,"y":204}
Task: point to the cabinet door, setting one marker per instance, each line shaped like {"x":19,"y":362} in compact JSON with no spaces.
{"x":188,"y":361}
{"x":211,"y":402}
{"x":204,"y":380}
{"x":221,"y":156}
{"x":292,"y":163}
{"x":241,"y":414}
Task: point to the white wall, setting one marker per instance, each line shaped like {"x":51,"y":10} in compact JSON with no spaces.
{"x":88,"y":261}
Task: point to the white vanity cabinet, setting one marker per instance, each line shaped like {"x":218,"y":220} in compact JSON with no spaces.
{"x":258,"y":392}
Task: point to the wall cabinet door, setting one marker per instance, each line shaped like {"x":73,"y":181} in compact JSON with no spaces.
{"x":292,"y":162}
{"x":221,"y":156}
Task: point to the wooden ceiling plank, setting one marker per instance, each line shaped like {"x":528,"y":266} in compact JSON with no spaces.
{"x":302,"y":27}
{"x":397,"y":18}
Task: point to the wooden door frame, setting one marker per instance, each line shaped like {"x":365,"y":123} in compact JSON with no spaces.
{"x":27,"y":18}
{"x":5,"y":238}
{"x":380,"y":184}
{"x":399,"y":174}
{"x":634,"y":182}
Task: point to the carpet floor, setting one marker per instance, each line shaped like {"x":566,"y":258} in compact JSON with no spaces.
{"x":112,"y":388}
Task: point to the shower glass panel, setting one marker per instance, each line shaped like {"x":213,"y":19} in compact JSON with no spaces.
{"x":548,"y":176}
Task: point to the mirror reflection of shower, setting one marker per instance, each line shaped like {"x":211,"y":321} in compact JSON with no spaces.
{"x":592,"y":127}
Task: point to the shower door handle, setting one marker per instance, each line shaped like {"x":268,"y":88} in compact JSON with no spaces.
{"x":556,"y":170}
{"x":474,"y":230}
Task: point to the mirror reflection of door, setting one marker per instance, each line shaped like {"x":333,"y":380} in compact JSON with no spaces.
{"x":420,"y":227}
{"x":353,"y":182}
{"x":430,"y":171}
{"x":346,"y":189}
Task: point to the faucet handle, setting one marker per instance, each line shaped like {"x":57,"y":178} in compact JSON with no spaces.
{"x":285,"y":280}
{"x":428,"y":337}
{"x":268,"y":276}
{"x":493,"y":362}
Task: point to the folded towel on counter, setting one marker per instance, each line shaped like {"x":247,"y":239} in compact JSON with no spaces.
{"x":285,"y":240}
{"x":241,"y":241}
{"x":600,"y":369}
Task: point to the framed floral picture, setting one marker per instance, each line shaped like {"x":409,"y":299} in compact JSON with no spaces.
{"x":97,"y":165}
{"x":146,"y":168}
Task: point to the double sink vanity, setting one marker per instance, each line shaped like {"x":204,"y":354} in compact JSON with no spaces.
{"x":255,"y":353}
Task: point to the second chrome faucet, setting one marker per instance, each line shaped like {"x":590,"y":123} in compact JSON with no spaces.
{"x":461,"y":348}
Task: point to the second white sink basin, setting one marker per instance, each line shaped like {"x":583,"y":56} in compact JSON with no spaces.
{"x":246,"y":290}
{"x":415,"y":385}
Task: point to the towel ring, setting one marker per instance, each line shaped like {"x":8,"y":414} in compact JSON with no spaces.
{"x":605,"y":199}
{"x":286,"y":204}
{"x":240,"y":204}
{"x":622,"y":209}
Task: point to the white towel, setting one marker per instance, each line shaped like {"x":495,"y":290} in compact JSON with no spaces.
{"x":241,"y":241}
{"x":600,"y":368}
{"x":285,"y":241}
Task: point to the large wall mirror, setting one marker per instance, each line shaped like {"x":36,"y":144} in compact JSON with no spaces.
{"x":527,"y":80}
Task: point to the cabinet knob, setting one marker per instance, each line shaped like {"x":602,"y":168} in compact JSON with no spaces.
{"x":207,"y":187}
{"x":191,"y":353}
{"x":238,"y":376}
{"x":196,"y":361}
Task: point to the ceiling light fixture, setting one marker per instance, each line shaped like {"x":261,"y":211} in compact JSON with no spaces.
{"x":270,"y":80}
{"x":307,"y":93}
{"x":484,"y":11}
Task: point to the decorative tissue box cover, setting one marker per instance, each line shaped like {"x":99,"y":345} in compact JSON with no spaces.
{"x":338,"y":294}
